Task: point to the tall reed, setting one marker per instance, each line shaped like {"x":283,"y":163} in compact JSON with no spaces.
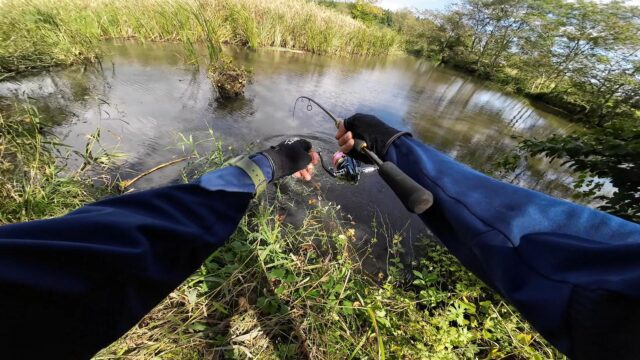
{"x":42,"y":33}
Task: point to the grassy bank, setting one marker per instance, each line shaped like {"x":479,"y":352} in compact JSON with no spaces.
{"x":33,"y":182}
{"x":283,"y":291}
{"x":42,"y":33}
{"x":279,"y":292}
{"x":275,"y":290}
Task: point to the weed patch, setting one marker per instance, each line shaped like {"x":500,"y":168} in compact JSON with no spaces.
{"x":33,"y":183}
{"x":279,"y":291}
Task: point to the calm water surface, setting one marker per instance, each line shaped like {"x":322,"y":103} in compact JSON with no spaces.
{"x":142,"y":97}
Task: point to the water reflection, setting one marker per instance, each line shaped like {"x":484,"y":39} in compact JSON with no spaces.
{"x":143,"y":96}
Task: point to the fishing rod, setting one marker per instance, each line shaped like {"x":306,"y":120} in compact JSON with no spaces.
{"x":414,"y":197}
{"x":336,"y":120}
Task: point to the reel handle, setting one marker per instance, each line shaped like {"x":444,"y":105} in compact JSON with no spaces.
{"x":414,"y":197}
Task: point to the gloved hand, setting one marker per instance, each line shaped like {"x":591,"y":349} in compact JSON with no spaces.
{"x":378,"y":135}
{"x":292,"y":157}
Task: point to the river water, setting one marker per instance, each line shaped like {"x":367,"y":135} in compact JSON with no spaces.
{"x":143,"y":96}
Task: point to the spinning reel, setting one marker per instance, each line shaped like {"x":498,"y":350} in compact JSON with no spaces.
{"x":414,"y":197}
{"x":345,"y":167}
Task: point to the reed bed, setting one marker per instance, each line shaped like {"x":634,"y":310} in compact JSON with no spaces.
{"x":37,"y":34}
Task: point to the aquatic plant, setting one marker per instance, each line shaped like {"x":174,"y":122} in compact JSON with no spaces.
{"x":229,"y":79}
{"x":42,"y":33}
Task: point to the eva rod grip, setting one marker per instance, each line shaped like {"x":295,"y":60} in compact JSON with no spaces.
{"x":414,"y":197}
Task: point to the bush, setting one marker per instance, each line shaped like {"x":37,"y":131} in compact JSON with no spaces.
{"x":229,"y":79}
{"x":370,"y":14}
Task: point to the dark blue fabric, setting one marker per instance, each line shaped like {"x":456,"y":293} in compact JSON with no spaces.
{"x":70,"y":286}
{"x":532,"y":248}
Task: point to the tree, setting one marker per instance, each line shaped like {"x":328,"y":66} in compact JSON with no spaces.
{"x":493,"y":27}
{"x":367,"y":12}
{"x":580,"y":56}
{"x":609,"y":152}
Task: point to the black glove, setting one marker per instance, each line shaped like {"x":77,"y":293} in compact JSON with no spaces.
{"x":378,"y":135}
{"x":288,"y":157}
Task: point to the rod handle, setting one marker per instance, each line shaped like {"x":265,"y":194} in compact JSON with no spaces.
{"x":415,"y":198}
{"x":361,"y":147}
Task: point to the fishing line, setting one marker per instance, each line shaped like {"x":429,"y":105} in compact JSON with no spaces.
{"x":344,"y":167}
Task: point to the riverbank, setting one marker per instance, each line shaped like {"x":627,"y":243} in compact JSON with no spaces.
{"x":275,"y":290}
{"x":547,"y":52}
{"x":253,"y":297}
{"x":33,"y":182}
{"x":40,"y":34}
{"x":279,"y":290}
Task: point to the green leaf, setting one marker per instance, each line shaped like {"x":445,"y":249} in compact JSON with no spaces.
{"x":277,"y":273}
{"x":347,"y":307}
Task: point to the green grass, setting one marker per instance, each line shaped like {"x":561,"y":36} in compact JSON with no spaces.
{"x":37,"y":34}
{"x":275,"y":290}
{"x":33,"y":182}
{"x":279,"y":291}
